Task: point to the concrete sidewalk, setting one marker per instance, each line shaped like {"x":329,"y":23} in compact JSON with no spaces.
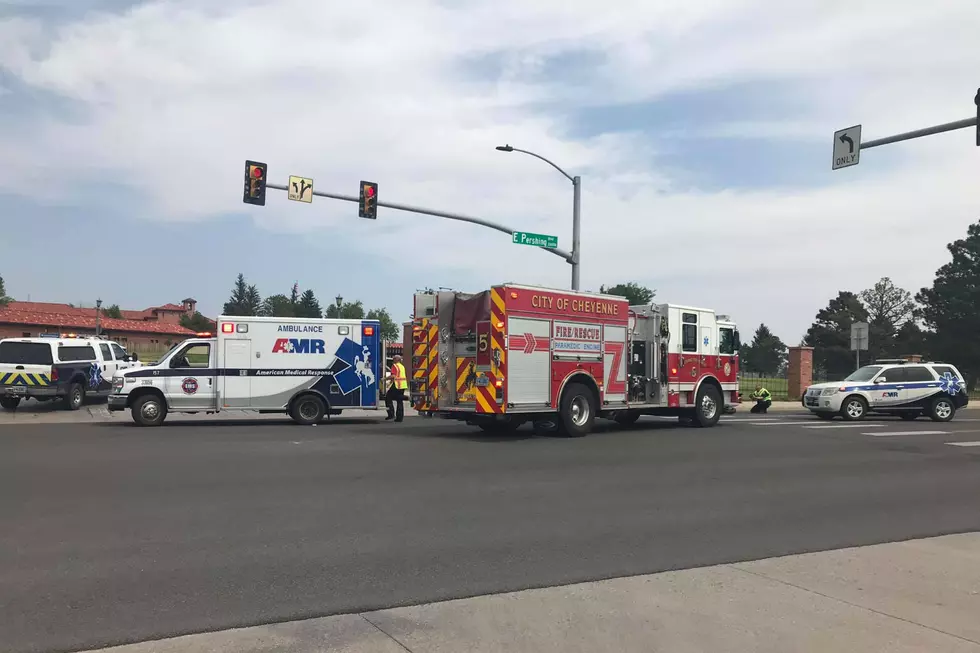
{"x":921,"y":595}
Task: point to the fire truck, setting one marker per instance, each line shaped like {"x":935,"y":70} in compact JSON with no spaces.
{"x":513,"y":354}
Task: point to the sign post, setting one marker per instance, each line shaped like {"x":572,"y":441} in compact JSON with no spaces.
{"x":859,"y":339}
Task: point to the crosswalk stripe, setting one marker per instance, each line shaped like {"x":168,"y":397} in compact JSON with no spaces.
{"x":964,"y":444}
{"x":842,"y":426}
{"x":880,"y":434}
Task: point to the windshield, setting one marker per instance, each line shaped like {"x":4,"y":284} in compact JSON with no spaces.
{"x":25,"y":353}
{"x":864,"y":374}
{"x":161,"y":357}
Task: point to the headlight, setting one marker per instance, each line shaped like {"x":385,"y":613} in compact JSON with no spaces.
{"x":117,"y":383}
{"x":829,"y":391}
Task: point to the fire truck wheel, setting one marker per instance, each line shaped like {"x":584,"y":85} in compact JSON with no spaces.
{"x":709,"y":406}
{"x":577,"y":411}
{"x":626,"y":418}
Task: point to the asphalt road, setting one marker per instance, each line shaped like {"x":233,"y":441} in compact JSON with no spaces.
{"x":111,"y":533}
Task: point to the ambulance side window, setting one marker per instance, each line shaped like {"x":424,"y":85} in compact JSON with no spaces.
{"x":194,"y":356}
{"x":689,"y":332}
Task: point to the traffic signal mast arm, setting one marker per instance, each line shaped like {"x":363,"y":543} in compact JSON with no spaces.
{"x":416,"y":209}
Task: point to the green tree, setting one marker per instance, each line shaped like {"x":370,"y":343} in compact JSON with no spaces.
{"x":197,"y":322}
{"x":278,"y":306}
{"x":294,"y":294}
{"x":889,"y":309}
{"x":4,"y":298}
{"x":830,"y":334}
{"x":950,"y":307}
{"x":389,"y":329}
{"x":245,"y":299}
{"x":632,"y":291}
{"x":113,"y":312}
{"x":308,"y":305}
{"x":346,"y":310}
{"x":765,"y":355}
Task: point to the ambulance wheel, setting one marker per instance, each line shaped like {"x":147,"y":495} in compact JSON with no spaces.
{"x":854,"y":408}
{"x":708,"y":406}
{"x":626,"y":418}
{"x":942,"y":409}
{"x":75,"y":396}
{"x":308,"y":409}
{"x":149,"y":410}
{"x":10,"y":403}
{"x":577,"y":412}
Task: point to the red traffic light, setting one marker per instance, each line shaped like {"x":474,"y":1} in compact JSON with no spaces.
{"x":257,"y":172}
{"x":369,"y":191}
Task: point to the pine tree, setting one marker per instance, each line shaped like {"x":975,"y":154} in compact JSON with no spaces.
{"x":4,"y":299}
{"x":245,"y":299}
{"x":308,"y":305}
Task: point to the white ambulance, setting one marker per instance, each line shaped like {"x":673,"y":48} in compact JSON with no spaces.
{"x":306,"y":368}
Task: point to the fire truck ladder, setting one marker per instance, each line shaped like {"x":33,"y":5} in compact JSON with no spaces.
{"x":425,"y":352}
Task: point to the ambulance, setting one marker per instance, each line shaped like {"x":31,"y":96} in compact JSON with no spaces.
{"x":306,"y":368}
{"x":514,"y":354}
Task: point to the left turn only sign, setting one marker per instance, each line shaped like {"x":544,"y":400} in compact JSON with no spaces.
{"x":300,"y":189}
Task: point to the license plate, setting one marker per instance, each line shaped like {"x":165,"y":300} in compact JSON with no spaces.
{"x":16,"y":390}
{"x":482,"y":381}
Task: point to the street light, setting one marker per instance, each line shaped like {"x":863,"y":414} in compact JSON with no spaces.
{"x":340,"y":300}
{"x":98,"y":312}
{"x":576,"y":207}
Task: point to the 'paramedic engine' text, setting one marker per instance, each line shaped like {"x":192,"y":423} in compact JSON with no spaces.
{"x":588,"y":306}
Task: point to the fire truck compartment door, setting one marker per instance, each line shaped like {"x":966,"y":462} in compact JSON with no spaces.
{"x":528,"y":361}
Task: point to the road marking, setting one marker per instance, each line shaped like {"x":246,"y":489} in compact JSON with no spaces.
{"x":771,"y":423}
{"x":842,"y":426}
{"x":886,"y":434}
{"x":964,"y":444}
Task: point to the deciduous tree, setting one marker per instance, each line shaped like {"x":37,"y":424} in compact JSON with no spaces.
{"x":389,"y":329}
{"x":632,"y":291}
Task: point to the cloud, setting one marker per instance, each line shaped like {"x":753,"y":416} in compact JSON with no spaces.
{"x":167,"y":99}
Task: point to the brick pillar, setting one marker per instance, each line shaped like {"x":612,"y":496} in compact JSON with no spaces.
{"x":800,"y":371}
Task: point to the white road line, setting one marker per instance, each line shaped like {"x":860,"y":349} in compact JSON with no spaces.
{"x":771,"y":423}
{"x":885,"y":434}
{"x":964,"y":444}
{"x":842,"y":426}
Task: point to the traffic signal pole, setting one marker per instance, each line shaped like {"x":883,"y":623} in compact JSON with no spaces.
{"x":461,"y":218}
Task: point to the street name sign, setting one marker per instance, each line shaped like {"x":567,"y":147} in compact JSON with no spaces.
{"x":535,"y":240}
{"x":847,"y":147}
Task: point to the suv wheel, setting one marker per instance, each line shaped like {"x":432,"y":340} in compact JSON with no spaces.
{"x":854,"y":408}
{"x":942,"y":409}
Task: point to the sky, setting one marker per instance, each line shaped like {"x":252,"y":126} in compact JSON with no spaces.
{"x":702,"y":131}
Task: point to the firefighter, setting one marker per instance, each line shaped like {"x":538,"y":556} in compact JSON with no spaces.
{"x":396,"y":390}
{"x":763,"y":400}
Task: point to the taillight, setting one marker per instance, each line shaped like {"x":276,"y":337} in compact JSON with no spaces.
{"x":54,"y":374}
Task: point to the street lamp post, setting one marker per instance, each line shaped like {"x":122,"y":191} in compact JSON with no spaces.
{"x":576,"y":208}
{"x":98,"y":313}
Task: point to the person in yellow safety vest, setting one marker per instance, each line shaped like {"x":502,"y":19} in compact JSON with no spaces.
{"x":763,"y":400}
{"x":396,"y":391}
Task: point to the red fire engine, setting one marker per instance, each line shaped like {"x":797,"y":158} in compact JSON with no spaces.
{"x":513,"y":354}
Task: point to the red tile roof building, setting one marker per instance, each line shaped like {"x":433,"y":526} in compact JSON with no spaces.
{"x":154,"y":327}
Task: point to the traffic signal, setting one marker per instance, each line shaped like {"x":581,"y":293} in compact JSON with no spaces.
{"x":367,"y":205}
{"x":255,"y":174}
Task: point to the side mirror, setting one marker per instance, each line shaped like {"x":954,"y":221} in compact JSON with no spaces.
{"x":881,"y":379}
{"x":133,"y":357}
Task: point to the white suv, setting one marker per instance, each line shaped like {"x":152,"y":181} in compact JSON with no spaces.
{"x":891,"y":388}
{"x":67,"y":368}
